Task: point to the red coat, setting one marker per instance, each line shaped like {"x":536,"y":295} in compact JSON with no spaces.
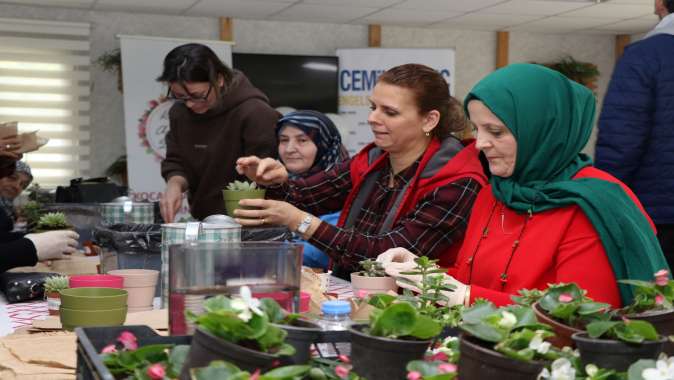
{"x":558,"y":245}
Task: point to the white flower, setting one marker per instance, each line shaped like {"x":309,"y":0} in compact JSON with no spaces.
{"x":449,"y":340}
{"x":664,"y":370}
{"x":537,"y":344}
{"x":253,"y":303}
{"x":591,"y":369}
{"x":242,"y":310}
{"x":508,"y":320}
{"x":561,"y":369}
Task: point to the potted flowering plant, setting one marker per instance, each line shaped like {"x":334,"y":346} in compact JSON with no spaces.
{"x":568,"y":368}
{"x":372,"y":279}
{"x":617,"y":344}
{"x":654,"y":302}
{"x":503,"y":343}
{"x":440,"y":363}
{"x":301,"y":333}
{"x":238,"y":190}
{"x":649,"y":369}
{"x":124,"y":359}
{"x":566,"y":308}
{"x":316,"y":370}
{"x":236,"y":330}
{"x":396,"y":334}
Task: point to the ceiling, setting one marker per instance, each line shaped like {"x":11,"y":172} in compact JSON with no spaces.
{"x":543,"y":16}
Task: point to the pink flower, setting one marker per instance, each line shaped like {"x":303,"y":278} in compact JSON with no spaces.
{"x":361,"y":293}
{"x":255,"y":375}
{"x":659,"y":299}
{"x":156,"y":371}
{"x":344,"y":359}
{"x":109,"y":349}
{"x":565,"y":298}
{"x":414,"y":375}
{"x":341,"y":371}
{"x":661,"y":277}
{"x":129,"y":340}
{"x":447,"y":368}
{"x":440,"y":356}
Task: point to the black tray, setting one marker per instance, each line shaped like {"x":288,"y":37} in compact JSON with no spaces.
{"x":91,"y":340}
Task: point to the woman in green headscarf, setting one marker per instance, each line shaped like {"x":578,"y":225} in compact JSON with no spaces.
{"x":547,"y":216}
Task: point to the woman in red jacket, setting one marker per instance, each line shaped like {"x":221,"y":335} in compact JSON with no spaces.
{"x":547,"y":216}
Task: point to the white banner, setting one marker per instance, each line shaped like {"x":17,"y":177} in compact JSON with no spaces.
{"x":146,"y":110}
{"x":358,"y":72}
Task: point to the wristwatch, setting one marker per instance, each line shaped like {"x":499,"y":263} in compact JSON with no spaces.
{"x":304,"y":224}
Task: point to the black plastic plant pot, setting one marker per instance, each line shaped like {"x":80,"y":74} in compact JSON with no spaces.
{"x":375,"y":357}
{"x":663,"y":321}
{"x":614,"y":354}
{"x":477,"y":361}
{"x":207,"y":347}
{"x":301,"y":334}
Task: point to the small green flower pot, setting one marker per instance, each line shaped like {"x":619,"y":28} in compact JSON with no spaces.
{"x":89,"y":318}
{"x":93,"y":298}
{"x":232,"y":198}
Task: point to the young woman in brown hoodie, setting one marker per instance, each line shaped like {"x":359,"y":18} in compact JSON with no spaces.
{"x":218,"y":116}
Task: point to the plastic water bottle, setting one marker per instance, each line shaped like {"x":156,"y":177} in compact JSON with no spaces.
{"x":335,"y":316}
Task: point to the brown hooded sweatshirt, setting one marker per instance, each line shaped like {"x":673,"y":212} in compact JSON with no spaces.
{"x":204,"y":148}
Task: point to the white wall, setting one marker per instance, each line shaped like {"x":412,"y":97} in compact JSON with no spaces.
{"x":475,"y":52}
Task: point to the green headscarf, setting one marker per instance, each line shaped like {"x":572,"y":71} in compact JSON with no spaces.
{"x":551,"y":118}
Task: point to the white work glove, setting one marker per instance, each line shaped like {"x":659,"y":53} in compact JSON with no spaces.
{"x":397,"y":260}
{"x":51,"y":245}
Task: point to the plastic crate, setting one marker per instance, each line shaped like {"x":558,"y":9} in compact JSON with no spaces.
{"x":91,"y":340}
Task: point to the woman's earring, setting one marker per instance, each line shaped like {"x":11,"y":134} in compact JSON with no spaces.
{"x":428,"y":134}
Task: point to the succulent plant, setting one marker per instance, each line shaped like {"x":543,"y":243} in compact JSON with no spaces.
{"x":241,"y":186}
{"x":31,"y":211}
{"x":55,"y":283}
{"x":52,"y":221}
{"x":372,"y":268}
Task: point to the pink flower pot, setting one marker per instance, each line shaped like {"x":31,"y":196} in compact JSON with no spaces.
{"x":140,"y":284}
{"x":96,"y":281}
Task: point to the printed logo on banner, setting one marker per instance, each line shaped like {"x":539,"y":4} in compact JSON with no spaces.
{"x":153,"y":126}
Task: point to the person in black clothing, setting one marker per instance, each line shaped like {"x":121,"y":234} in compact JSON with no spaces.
{"x":17,"y":250}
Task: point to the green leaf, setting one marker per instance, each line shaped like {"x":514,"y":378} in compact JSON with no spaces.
{"x":177,"y":359}
{"x":643,"y":328}
{"x":396,"y":320}
{"x":272,"y":309}
{"x":287,"y":372}
{"x":597,"y":329}
{"x":638,"y":367}
{"x":425,"y":328}
{"x":217,"y":370}
{"x":381,"y":301}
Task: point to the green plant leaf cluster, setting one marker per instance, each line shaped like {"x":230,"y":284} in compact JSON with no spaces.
{"x":319,"y":369}
{"x":645,"y":293}
{"x":631,"y":331}
{"x":52,"y":221}
{"x":372,"y":268}
{"x":528,"y":297}
{"x":578,"y":311}
{"x":134,"y":363}
{"x":56,"y":283}
{"x":31,"y":211}
{"x":241,"y":186}
{"x":223,"y":321}
{"x":429,"y":370}
{"x":402,"y":320}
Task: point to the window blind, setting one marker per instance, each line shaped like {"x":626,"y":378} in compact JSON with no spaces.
{"x":44,"y":85}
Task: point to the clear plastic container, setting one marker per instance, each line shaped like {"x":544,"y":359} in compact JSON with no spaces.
{"x":335,"y":316}
{"x":199,"y":270}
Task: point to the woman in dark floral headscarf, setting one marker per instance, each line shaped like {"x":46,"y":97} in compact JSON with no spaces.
{"x":310,"y":142}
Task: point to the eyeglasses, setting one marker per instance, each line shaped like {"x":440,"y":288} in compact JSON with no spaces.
{"x":185,"y":99}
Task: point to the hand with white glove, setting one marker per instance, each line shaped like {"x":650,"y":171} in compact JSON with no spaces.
{"x":399,"y":260}
{"x":51,"y":245}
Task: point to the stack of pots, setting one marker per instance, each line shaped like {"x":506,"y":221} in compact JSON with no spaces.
{"x":140,"y":285}
{"x":96,"y":300}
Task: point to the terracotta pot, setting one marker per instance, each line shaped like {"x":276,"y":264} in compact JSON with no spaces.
{"x":663,"y":321}
{"x":372,"y":285}
{"x":562,"y":332}
{"x":614,"y":354}
{"x":477,"y":361}
{"x":53,"y":302}
{"x":140,"y":284}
